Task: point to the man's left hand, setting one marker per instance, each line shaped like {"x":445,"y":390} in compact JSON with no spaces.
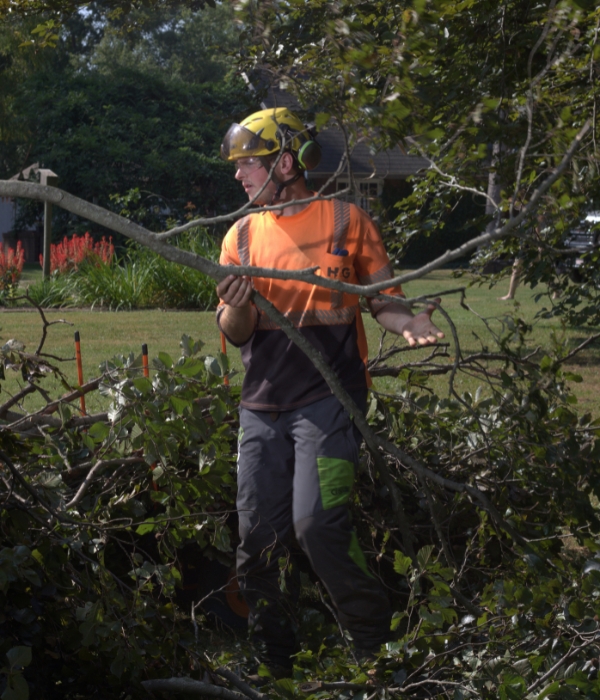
{"x":416,"y":330}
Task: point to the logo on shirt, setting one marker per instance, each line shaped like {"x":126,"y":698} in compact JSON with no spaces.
{"x":333,"y":272}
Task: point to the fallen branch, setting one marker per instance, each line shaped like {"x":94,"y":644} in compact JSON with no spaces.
{"x":100,"y":464}
{"x":188,"y":686}
{"x":25,"y":423}
{"x":240,"y":684}
{"x":30,"y":418}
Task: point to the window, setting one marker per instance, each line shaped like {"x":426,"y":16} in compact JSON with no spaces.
{"x":365,"y":193}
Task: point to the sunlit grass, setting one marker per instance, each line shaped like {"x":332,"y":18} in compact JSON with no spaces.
{"x":105,"y":334}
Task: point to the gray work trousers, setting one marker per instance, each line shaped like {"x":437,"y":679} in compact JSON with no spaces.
{"x":295,"y":475}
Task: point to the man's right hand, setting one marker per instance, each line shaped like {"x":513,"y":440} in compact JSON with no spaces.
{"x":235,"y":291}
{"x":238,"y":319}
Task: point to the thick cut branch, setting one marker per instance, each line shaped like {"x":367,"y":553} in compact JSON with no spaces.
{"x":40,"y":416}
{"x":188,"y":686}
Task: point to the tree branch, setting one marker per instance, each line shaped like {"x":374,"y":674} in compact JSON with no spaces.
{"x":33,"y":418}
{"x":138,"y":233}
{"x":188,"y":686}
{"x":100,"y":464}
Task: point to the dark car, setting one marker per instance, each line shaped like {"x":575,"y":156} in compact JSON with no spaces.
{"x":581,"y":239}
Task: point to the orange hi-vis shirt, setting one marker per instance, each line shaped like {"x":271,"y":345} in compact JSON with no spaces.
{"x":343,"y":241}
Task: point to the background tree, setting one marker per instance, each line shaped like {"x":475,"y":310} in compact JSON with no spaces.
{"x":133,"y":121}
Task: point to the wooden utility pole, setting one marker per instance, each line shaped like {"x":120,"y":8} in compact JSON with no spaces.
{"x":47,"y":177}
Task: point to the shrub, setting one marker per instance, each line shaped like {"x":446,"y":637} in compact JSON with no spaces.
{"x":174,"y":286}
{"x":141,"y":280}
{"x":11,"y":267}
{"x":54,"y":292}
{"x":117,"y":287}
{"x":70,"y":253}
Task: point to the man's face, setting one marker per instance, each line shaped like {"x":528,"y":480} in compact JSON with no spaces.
{"x":252,"y":174}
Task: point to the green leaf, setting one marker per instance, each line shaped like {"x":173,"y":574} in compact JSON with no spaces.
{"x":188,"y":346}
{"x":433,"y":618}
{"x":143,"y":384}
{"x":19,"y":657}
{"x":549,"y":690}
{"x":424,"y":556}
{"x":16,"y":688}
{"x":191,"y":368}
{"x":165,"y":360}
{"x":218,"y":410}
{"x":402,"y":563}
{"x":397,"y":618}
{"x":145,"y":527}
{"x":286,"y":687}
{"x":212,"y":366}
{"x":577,"y":609}
{"x":179,"y":404}
{"x":157,"y":472}
{"x":118,"y":665}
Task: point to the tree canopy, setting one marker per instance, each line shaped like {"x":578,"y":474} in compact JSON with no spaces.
{"x":491,"y":93}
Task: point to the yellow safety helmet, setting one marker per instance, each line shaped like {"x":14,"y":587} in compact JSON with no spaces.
{"x":268,"y":132}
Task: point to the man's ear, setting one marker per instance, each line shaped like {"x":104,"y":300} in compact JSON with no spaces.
{"x":287,"y":163}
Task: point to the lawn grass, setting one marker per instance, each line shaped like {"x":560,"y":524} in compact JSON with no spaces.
{"x":32,"y":273}
{"x":105,"y":334}
{"x":485,"y":304}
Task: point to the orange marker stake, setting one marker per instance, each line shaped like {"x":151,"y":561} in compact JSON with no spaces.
{"x":147,"y":374}
{"x":79,"y":370}
{"x":145,"y":360}
{"x":224,"y":351}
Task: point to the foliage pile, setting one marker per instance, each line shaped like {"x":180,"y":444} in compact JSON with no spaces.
{"x":141,"y":279}
{"x":72,"y":252}
{"x":11,"y":268}
{"x":491,"y":556}
{"x":95,"y":532}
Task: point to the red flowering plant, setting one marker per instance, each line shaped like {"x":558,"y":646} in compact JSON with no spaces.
{"x":70,"y":253}
{"x":11,"y":267}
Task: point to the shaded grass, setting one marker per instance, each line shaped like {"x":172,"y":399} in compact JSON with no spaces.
{"x":105,"y":334}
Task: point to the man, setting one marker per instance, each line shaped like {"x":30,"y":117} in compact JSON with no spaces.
{"x":297,"y":449}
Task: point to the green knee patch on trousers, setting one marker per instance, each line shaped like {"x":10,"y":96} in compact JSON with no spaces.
{"x":357,"y":555}
{"x":336,"y":477}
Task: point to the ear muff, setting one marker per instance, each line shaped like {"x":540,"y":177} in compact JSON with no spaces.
{"x":309,"y":155}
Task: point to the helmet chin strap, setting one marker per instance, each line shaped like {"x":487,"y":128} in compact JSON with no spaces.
{"x":280,"y":185}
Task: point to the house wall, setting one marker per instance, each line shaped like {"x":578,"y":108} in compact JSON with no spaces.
{"x":7,"y":216}
{"x":392,"y":191}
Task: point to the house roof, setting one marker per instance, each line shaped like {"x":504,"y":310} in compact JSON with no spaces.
{"x":390,"y":164}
